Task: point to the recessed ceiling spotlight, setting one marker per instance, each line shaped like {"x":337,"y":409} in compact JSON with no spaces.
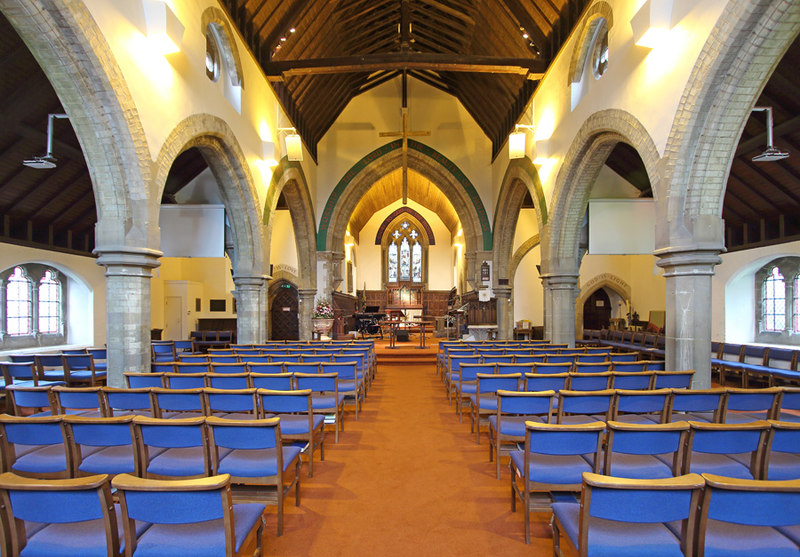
{"x":292,"y":30}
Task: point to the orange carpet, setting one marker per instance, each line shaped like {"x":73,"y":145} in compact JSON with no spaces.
{"x":406,"y":479}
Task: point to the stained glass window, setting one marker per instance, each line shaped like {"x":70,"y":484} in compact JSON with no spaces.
{"x":19,"y":311}
{"x":773,"y":302}
{"x":796,"y":303}
{"x":49,"y":304}
{"x":416,"y":262}
{"x":392,"y":267}
{"x":405,"y":260}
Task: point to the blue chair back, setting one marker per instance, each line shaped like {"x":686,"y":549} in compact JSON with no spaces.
{"x":222,"y":367}
{"x":629,"y":366}
{"x":636,"y":380}
{"x":491,"y":383}
{"x":128,"y":401}
{"x":522,"y":369}
{"x":590,"y":381}
{"x":162,"y":367}
{"x":284,"y":402}
{"x":524,"y":403}
{"x":546,"y":382}
{"x":177,"y":400}
{"x":302,"y":367}
{"x":317,"y":382}
{"x":193,"y":367}
{"x":642,"y":402}
{"x":29,"y":397}
{"x":144,"y":380}
{"x":19,"y":371}
{"x":223,"y":358}
{"x":548,"y":367}
{"x":557,"y":439}
{"x":228,"y":380}
{"x":529,"y":359}
{"x":70,"y":399}
{"x":265,"y":367}
{"x":673,"y":379}
{"x":584,"y":403}
{"x":185,"y":380}
{"x":239,"y":401}
{"x":272,"y":381}
{"x":346,"y":370}
{"x":34,"y":446}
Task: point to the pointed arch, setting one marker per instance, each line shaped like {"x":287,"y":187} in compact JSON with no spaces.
{"x":747,"y":42}
{"x":421,"y":158}
{"x":521,"y":177}
{"x":288,"y":178}
{"x":591,"y":19}
{"x":519,"y":255}
{"x":423,"y":224}
{"x":590,"y":149}
{"x":216,"y":142}
{"x":74,"y":55}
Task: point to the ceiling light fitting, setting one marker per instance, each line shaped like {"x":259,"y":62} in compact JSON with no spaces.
{"x":46,"y":161}
{"x":771,"y":153}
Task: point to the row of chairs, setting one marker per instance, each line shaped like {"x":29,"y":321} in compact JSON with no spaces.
{"x":170,"y":517}
{"x":705,"y":514}
{"x":254,"y":452}
{"x":465,"y":383}
{"x":553,"y":457}
{"x":70,"y":369}
{"x":262,"y":364}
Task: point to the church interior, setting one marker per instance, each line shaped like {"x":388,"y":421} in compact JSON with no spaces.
{"x":243,"y":172}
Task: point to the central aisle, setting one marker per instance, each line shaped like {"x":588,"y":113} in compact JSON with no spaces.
{"x":406,"y":479}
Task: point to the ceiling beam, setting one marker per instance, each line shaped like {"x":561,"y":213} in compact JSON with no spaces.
{"x":406,"y":61}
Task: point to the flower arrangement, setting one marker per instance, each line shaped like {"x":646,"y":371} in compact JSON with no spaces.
{"x":323,"y":310}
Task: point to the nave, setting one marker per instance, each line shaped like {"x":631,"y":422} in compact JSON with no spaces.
{"x":406,"y":479}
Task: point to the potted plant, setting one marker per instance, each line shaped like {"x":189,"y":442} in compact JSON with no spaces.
{"x":322,"y":318}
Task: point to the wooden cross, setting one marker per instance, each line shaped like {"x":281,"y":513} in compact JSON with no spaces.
{"x":405,"y":133}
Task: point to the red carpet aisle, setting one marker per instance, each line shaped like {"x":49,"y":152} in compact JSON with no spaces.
{"x":406,"y":479}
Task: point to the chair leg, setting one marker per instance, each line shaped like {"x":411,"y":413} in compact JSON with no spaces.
{"x":556,"y":537}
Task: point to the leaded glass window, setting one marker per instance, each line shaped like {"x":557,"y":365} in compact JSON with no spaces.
{"x":392,"y":269}
{"x":773,"y":302}
{"x":405,"y":253}
{"x":49,"y":304}
{"x":796,"y":304}
{"x":19,"y":308}
{"x":416,"y":262}
{"x":405,"y":260}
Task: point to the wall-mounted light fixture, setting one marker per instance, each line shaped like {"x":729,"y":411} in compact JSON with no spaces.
{"x":294,"y":146}
{"x":164,"y":29}
{"x":654,"y":20}
{"x":268,"y":154}
{"x":517,"y":140}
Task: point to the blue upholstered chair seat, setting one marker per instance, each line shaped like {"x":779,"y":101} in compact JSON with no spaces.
{"x":73,"y":538}
{"x":256,"y":463}
{"x":469,"y":388}
{"x":182,"y":461}
{"x":180,"y":414}
{"x":513,"y":426}
{"x":324,"y":401}
{"x":731,"y":540}
{"x":791,"y":532}
{"x":692,"y":416}
{"x":722,"y":465}
{"x":618,"y":539}
{"x":784,"y":466}
{"x":638,"y":418}
{"x":646,"y":467}
{"x":53,"y":375}
{"x":488,"y":402}
{"x":784,"y":416}
{"x":744,"y":417}
{"x":79,"y":412}
{"x":108,"y":460}
{"x":237,"y":416}
{"x":552,"y":469}
{"x":198,"y":539}
{"x":43,"y":460}
{"x":347,"y":386}
{"x":86,"y":374}
{"x":582,"y":418}
{"x":298,"y":425}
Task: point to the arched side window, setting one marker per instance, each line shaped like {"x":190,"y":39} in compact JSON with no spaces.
{"x":49,"y":304}
{"x":34,"y":306}
{"x":777,"y":301}
{"x":773,"y":302}
{"x":19,"y":304}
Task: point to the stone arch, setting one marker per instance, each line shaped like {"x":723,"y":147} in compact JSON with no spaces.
{"x":78,"y":62}
{"x":520,"y":177}
{"x":419,"y":219}
{"x":216,"y":142}
{"x":288,"y":178}
{"x":421,"y":158}
{"x":520,"y":254}
{"x":591,"y":19}
{"x":608,"y":281}
{"x":229,"y":51}
{"x":598,"y":136}
{"x":747,"y":42}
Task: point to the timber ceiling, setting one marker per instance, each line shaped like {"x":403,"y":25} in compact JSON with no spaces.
{"x":55,"y":209}
{"x":319,"y":54}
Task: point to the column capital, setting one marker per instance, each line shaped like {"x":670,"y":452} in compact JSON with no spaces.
{"x":128,"y":261}
{"x":256,"y":281}
{"x":688,"y":261}
{"x":306,"y":292}
{"x":502,"y":292}
{"x":560,"y":281}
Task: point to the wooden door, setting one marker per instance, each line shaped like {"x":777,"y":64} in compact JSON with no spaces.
{"x":597,"y":310}
{"x":284,"y":312}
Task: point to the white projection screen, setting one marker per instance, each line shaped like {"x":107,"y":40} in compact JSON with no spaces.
{"x":192,"y":230}
{"x":621,"y":226}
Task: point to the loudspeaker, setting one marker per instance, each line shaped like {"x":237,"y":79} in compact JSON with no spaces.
{"x":401,"y":336}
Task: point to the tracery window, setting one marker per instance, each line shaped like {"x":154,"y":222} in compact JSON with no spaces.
{"x":19,"y":307}
{"x":796,"y":303}
{"x":405,"y":255}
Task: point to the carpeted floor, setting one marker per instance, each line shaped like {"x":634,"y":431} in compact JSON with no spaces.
{"x":406,"y":479}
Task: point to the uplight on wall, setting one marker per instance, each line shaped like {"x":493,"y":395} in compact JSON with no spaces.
{"x":268,"y":154}
{"x":294,"y":147}
{"x":655,"y":19}
{"x":517,"y":140}
{"x":164,"y":29}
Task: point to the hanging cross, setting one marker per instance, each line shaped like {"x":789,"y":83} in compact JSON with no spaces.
{"x":405,"y":133}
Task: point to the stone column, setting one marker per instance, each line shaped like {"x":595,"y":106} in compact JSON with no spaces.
{"x":250,"y":313}
{"x":547,"y":311}
{"x":306,"y":303}
{"x":505,"y":325}
{"x":128,"y":272}
{"x":561,"y":292}
{"x":688,"y":275}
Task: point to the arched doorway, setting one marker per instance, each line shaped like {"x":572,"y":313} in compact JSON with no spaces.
{"x":597,"y":310}
{"x":283,"y":301}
